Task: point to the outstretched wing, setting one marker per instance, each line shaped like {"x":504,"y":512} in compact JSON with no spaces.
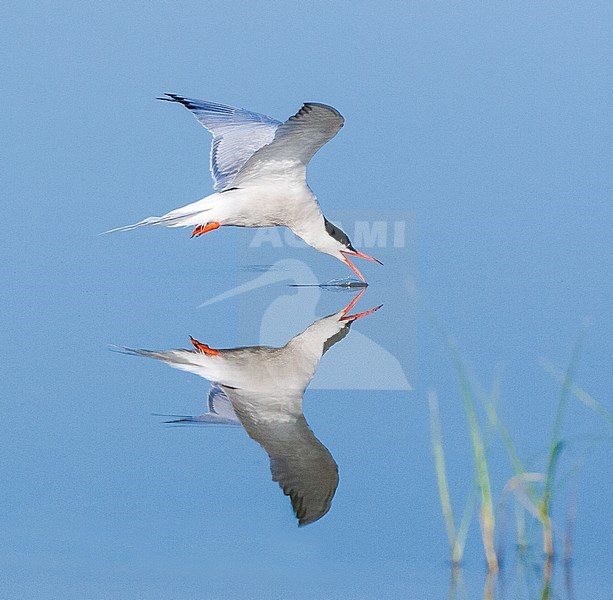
{"x":301,"y":465}
{"x":237,"y":134}
{"x":294,"y":144}
{"x":304,"y":469}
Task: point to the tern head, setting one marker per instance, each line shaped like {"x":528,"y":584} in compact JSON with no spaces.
{"x":336,"y":242}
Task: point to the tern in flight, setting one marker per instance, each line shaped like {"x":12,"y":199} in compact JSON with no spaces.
{"x":258,"y":166}
{"x":261,"y":388}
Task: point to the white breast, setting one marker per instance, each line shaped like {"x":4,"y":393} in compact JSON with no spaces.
{"x":267,"y":206}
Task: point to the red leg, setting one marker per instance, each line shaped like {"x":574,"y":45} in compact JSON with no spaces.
{"x":203,"y":347}
{"x":202,"y":229}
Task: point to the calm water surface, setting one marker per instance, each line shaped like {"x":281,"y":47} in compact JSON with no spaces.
{"x":138,"y":479}
{"x":474,"y":164}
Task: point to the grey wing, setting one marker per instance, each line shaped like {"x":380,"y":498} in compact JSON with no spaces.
{"x":304,"y":469}
{"x":237,"y":134}
{"x":294,"y":144}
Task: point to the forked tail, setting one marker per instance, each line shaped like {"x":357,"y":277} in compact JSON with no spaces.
{"x":169,"y":220}
{"x":143,"y":223}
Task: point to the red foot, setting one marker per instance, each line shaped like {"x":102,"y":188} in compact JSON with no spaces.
{"x":203,"y":347}
{"x":202,"y":229}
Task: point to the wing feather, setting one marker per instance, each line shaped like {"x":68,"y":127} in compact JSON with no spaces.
{"x":304,"y":469}
{"x":237,"y":134}
{"x":295,"y":143}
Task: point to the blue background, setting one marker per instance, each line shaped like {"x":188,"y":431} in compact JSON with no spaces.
{"x":490,"y":123}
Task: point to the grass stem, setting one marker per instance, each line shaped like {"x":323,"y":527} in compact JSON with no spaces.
{"x":441,"y":476}
{"x":486,"y":512}
{"x":556,"y":447}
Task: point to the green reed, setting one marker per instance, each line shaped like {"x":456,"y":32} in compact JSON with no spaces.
{"x":486,"y":511}
{"x":533,"y":492}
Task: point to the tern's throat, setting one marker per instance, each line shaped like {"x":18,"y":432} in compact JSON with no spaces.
{"x":314,"y":233}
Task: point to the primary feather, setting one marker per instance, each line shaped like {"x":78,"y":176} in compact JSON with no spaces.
{"x":237,"y":135}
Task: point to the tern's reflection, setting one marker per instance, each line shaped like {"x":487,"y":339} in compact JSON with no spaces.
{"x":261,"y":388}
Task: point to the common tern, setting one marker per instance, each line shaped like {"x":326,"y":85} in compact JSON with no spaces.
{"x":261,"y":388}
{"x":259,"y":166}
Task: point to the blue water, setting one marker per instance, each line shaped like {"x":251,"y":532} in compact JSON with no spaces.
{"x":484,"y":130}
